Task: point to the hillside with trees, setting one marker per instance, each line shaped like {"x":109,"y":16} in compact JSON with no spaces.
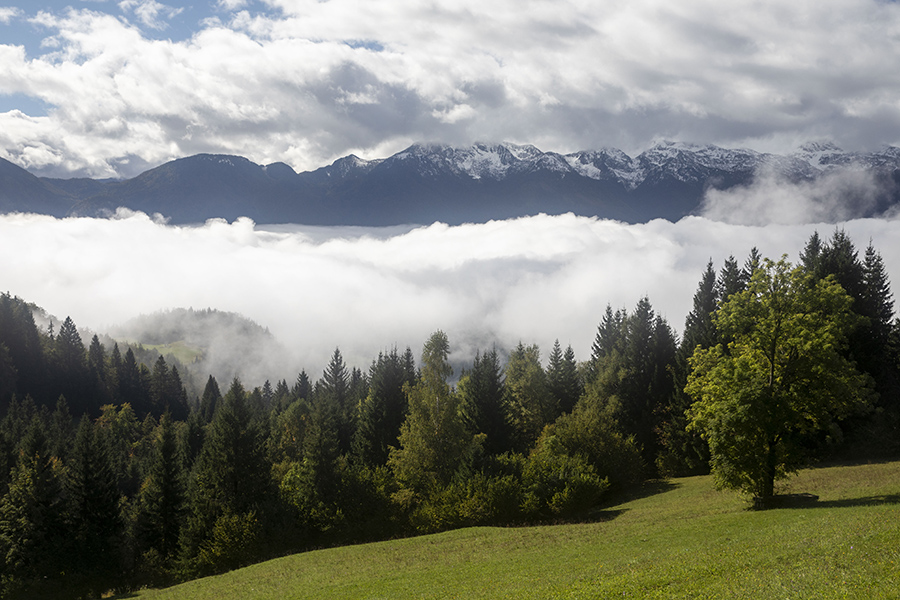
{"x":113,"y":476}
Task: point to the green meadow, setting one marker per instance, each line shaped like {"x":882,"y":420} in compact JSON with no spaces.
{"x":182,"y":351}
{"x":835,"y":534}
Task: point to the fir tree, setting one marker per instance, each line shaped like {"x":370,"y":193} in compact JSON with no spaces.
{"x":335,"y":391}
{"x":302,"y":387}
{"x":94,"y":510}
{"x":383,"y":410}
{"x":209,"y":402}
{"x":684,"y":452}
{"x":33,"y":534}
{"x":730,"y":280}
{"x":484,"y":402}
{"x":231,"y":481}
{"x":71,"y":373}
{"x":20,"y":336}
{"x":563,"y":380}
{"x":162,"y":495}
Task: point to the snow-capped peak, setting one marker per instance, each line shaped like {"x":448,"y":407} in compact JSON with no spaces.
{"x":821,"y":154}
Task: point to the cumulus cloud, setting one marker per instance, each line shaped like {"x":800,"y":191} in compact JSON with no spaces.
{"x":308,"y":82}
{"x":365,"y":290}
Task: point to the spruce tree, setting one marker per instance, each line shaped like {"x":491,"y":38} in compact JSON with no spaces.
{"x":631,"y":374}
{"x":302,"y":387}
{"x":876,"y":352}
{"x":33,"y":533}
{"x":20,"y":336}
{"x":71,"y":371}
{"x":563,"y":380}
{"x":209,"y":402}
{"x":230,"y":487}
{"x":684,"y":452}
{"x":730,"y":280}
{"x":94,"y":510}
{"x":383,"y":410}
{"x":484,"y":402}
{"x":162,"y":495}
{"x":98,"y":374}
{"x":335,"y":391}
{"x":160,"y":386}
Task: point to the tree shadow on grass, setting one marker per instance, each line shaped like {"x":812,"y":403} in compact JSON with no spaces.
{"x":599,"y":515}
{"x":812,"y":501}
{"x":644,"y":489}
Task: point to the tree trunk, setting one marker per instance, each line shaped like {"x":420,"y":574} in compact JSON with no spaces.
{"x":768,"y":483}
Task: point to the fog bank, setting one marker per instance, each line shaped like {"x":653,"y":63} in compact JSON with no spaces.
{"x":532,"y":279}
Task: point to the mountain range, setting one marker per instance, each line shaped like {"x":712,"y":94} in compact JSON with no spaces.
{"x":427,"y":183}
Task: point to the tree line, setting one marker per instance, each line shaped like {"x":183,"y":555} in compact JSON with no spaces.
{"x":112,"y":478}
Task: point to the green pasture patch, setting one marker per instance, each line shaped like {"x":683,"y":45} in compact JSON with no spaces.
{"x":674,"y":539}
{"x":184,"y":352}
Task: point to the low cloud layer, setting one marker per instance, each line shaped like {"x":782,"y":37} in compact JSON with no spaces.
{"x":834,"y":197}
{"x":120,"y":86}
{"x":532,"y":279}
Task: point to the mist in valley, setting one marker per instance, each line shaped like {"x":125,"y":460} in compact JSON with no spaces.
{"x":534,"y":279}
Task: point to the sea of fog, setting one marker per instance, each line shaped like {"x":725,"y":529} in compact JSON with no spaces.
{"x":534,"y":279}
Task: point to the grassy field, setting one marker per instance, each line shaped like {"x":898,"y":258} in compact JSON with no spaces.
{"x":184,"y":352}
{"x":676,"y":539}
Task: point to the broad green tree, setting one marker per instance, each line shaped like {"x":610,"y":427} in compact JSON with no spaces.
{"x":531,"y":406}
{"x":434,"y":442}
{"x":781,"y":380}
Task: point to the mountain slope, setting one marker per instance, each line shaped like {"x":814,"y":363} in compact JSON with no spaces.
{"x":673,"y":539}
{"x":20,"y":191}
{"x":427,"y":183}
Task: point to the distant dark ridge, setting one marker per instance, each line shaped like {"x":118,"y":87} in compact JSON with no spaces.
{"x":427,"y":183}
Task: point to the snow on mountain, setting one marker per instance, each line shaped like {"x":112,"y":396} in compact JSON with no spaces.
{"x":606,"y":163}
{"x":351,"y":164}
{"x":821,"y":155}
{"x":681,"y":161}
{"x":428,"y":182}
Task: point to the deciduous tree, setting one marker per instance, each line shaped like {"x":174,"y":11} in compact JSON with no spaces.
{"x":782,"y":379}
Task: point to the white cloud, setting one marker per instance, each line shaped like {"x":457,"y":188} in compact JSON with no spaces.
{"x":340,"y":76}
{"x":834,"y":197}
{"x":151,"y":13}
{"x":231,"y":4}
{"x":534,"y":279}
{"x":7,"y":14}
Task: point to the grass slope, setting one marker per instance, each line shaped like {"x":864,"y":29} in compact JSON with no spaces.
{"x":185,"y":353}
{"x":681,"y":539}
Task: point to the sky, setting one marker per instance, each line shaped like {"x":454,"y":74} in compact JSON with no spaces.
{"x":109,"y":88}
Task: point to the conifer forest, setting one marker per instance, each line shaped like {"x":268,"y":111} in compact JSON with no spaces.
{"x":114,"y":477}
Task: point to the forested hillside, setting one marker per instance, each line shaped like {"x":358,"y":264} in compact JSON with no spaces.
{"x":113,"y":476}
